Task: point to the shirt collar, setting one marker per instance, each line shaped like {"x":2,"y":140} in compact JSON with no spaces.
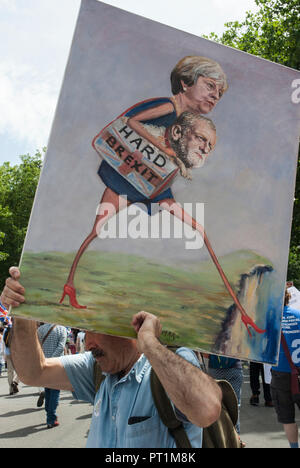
{"x":140,"y":367}
{"x":138,"y":370}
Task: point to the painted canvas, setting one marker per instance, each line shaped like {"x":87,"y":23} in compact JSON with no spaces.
{"x":167,"y":186}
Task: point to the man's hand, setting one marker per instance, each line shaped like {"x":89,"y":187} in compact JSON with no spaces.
{"x":13,"y":293}
{"x":148,"y":329}
{"x":193,"y":392}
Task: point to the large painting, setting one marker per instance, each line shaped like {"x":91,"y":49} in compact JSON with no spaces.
{"x":168,"y":187}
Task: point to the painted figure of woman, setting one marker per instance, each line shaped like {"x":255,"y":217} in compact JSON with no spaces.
{"x":198,"y":84}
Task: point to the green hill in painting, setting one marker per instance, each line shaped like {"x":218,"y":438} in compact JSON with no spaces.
{"x":191,"y":304}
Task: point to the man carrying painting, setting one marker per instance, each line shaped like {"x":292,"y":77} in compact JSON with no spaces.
{"x":124,"y":413}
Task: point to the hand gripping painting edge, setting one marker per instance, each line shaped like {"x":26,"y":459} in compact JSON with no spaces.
{"x":198,"y":84}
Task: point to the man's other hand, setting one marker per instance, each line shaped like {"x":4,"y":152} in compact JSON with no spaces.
{"x":13,"y":293}
{"x":147,"y":327}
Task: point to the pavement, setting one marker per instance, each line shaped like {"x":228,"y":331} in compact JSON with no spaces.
{"x":22,"y":424}
{"x":259,"y":425}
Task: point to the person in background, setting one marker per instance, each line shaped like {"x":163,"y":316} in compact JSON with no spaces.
{"x":80,"y":348}
{"x":70,"y":345}
{"x":257,"y":369}
{"x":6,"y":324}
{"x":12,"y":377}
{"x":283,"y":399}
{"x":53,"y":340}
{"x":2,"y":362}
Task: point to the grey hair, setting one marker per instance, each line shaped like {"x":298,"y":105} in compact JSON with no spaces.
{"x":188,"y":119}
{"x":190,"y":68}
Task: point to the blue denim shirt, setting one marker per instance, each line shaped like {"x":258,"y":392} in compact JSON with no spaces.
{"x":119,"y":400}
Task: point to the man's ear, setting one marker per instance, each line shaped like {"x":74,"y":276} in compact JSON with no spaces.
{"x":176,"y":132}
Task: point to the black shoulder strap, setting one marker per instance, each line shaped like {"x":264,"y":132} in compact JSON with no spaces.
{"x":166,"y":413}
{"x":48,"y":333}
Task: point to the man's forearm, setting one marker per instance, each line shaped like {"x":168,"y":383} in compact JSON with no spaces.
{"x":192,"y":391}
{"x":26,"y":352}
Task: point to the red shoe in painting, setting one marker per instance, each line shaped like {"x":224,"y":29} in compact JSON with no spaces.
{"x":248,"y":322}
{"x":71,"y":292}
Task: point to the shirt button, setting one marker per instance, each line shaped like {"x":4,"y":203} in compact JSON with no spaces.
{"x":113,"y":418}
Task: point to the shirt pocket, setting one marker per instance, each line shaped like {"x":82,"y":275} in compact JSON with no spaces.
{"x":151,"y":433}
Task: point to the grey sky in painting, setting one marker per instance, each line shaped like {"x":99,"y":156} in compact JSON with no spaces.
{"x":247,"y":185}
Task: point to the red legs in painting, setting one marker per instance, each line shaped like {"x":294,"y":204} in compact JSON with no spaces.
{"x":176,"y":210}
{"x":110,"y":205}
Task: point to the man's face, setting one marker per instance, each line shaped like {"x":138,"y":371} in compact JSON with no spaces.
{"x":196,"y":143}
{"x":203,"y":95}
{"x":113,"y":354}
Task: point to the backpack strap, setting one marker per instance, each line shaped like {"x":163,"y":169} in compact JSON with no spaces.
{"x":48,"y":333}
{"x":229,"y":400}
{"x":222,"y":433}
{"x":166,"y":412}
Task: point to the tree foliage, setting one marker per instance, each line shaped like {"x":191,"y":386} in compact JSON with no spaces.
{"x":273,"y":33}
{"x":17,"y":189}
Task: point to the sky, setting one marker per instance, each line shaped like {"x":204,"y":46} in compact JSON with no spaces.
{"x":35,"y":40}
